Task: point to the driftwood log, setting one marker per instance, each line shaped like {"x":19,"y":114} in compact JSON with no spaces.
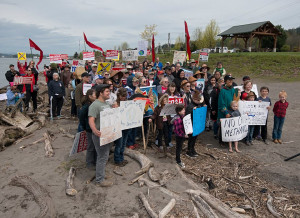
{"x":153,"y":175}
{"x":204,"y":207}
{"x":167,"y":208}
{"x":145,"y":162}
{"x":70,"y":190}
{"x":9,"y":134}
{"x":48,"y":146}
{"x":19,"y":120}
{"x":271,"y":208}
{"x":33,"y":143}
{"x":40,"y":194}
{"x":146,"y":204}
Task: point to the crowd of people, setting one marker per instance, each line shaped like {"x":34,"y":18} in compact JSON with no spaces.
{"x":108,"y":89}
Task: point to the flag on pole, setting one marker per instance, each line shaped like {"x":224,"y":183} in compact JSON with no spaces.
{"x":33,"y":45}
{"x":153,"y":49}
{"x":92,"y":45}
{"x":187,"y":35}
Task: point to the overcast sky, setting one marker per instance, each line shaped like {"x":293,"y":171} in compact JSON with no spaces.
{"x":57,"y":26}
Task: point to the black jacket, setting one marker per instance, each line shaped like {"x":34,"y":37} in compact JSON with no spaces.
{"x":190,"y":108}
{"x":84,"y":118}
{"x":10,"y":75}
{"x":50,"y":75}
{"x":214,"y":96}
{"x":56,"y":88}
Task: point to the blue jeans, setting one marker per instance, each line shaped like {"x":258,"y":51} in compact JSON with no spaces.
{"x":277,"y":129}
{"x":170,"y":132}
{"x":91,"y":154}
{"x":131,"y":136}
{"x":120,"y":145}
{"x":216,"y":127}
{"x":80,"y":128}
{"x":250,"y":133}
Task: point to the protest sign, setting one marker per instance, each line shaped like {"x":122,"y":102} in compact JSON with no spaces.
{"x":112,"y":54}
{"x":179,"y":56}
{"x":176,"y":100}
{"x":142,"y":48}
{"x":203,"y":56}
{"x":55,"y":58}
{"x":19,"y":80}
{"x":21,"y":56}
{"x":234,"y":129}
{"x":152,"y":102}
{"x":118,"y":69}
{"x":3,"y":97}
{"x":75,"y":63}
{"x":187,"y":73}
{"x":257,"y":111}
{"x":88,"y":56}
{"x":200,"y":85}
{"x":131,"y":113}
{"x":110,"y":125}
{"x":64,"y":56}
{"x":199,"y":118}
{"x":117,"y":59}
{"x":73,"y":68}
{"x":80,"y":143}
{"x":168,"y":109}
{"x":86,"y":87}
{"x":103,"y":66}
{"x":254,"y":89}
{"x":130,"y":55}
{"x":187,"y":123}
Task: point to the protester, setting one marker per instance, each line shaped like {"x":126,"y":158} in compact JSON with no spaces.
{"x":177,"y":67}
{"x":66,"y":76}
{"x":217,"y":75}
{"x":180,"y":76}
{"x":106,"y":75}
{"x":93,"y":72}
{"x":220,"y":68}
{"x":247,"y":89}
{"x":100,"y":104}
{"x":11,"y":73}
{"x":193,"y":81}
{"x":234,"y":112}
{"x":171,"y":91}
{"x":249,"y":138}
{"x":99,"y":79}
{"x":34,"y":71}
{"x":31,"y":90}
{"x":279,"y":110}
{"x":53,"y":69}
{"x":56,"y":92}
{"x":204,"y":69}
{"x":199,"y":75}
{"x":162,"y":88}
{"x":130,"y":77}
{"x":112,"y":97}
{"x":13,"y":95}
{"x":46,"y":70}
{"x":22,"y":68}
{"x":116,"y":77}
{"x":150,"y":78}
{"x":186,"y":92}
{"x":88,"y":66}
{"x":72,"y":94}
{"x":159,"y":77}
{"x":169,"y":74}
{"x":206,"y":93}
{"x":158,"y":64}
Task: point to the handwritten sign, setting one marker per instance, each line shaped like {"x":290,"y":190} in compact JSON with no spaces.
{"x":199,"y":117}
{"x":200,"y":85}
{"x":142,"y":48}
{"x":176,"y":100}
{"x":131,"y":113}
{"x":88,"y":56}
{"x":257,"y":111}
{"x":130,"y":55}
{"x":254,"y":89}
{"x":168,"y":109}
{"x":55,"y":58}
{"x":19,"y":80}
{"x":3,"y":97}
{"x":110,"y":125}
{"x":234,"y":129}
{"x":187,"y":123}
{"x":79,"y":144}
{"x":86,"y":87}
{"x":179,"y":56}
{"x":203,"y":56}
{"x":112,"y":54}
{"x":21,"y":56}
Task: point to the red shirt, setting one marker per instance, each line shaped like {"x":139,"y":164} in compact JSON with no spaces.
{"x":280,"y":108}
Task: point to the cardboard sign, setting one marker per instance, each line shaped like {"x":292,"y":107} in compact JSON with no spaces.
{"x":168,"y":109}
{"x":254,"y":89}
{"x":199,"y":118}
{"x":234,"y":129}
{"x":86,"y":87}
{"x":21,"y":56}
{"x":203,"y":57}
{"x":132,"y":113}
{"x":88,"y":56}
{"x":112,"y":54}
{"x":142,"y":48}
{"x":187,"y":73}
{"x":176,"y":100}
{"x":187,"y":123}
{"x":179,"y":56}
{"x":75,"y":62}
{"x":19,"y":80}
{"x":152,"y":102}
{"x":103,"y":66}
{"x":64,"y":56}
{"x":110,"y":125}
{"x":80,"y":143}
{"x":130,"y":55}
{"x":55,"y":58}
{"x":200,"y":85}
{"x":256,"y":111}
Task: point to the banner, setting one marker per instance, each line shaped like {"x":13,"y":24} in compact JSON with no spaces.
{"x":152,"y":102}
{"x":75,"y":62}
{"x":19,"y":80}
{"x":55,"y":58}
{"x":187,"y":123}
{"x":86,"y":87}
{"x":254,"y":89}
{"x":88,"y":56}
{"x":21,"y":56}
{"x":179,"y":56}
{"x":176,"y":100}
{"x":200,"y":85}
{"x":168,"y":109}
{"x":199,"y":118}
{"x":234,"y":129}
{"x":130,"y":55}
{"x":112,"y":54}
{"x":118,"y":69}
{"x":110,"y":125}
{"x":103,"y":66}
{"x":79,"y":144}
{"x":142,"y":48}
{"x":256,"y":111}
{"x":203,"y":56}
{"x":132,"y":113}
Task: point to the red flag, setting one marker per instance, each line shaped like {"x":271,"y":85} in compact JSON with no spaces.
{"x":153,"y":49}
{"x":187,"y":35}
{"x":33,"y":45}
{"x":93,"y":45}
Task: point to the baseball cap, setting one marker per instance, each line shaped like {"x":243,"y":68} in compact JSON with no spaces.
{"x":94,"y":65}
{"x":100,"y":77}
{"x":11,"y":65}
{"x":85,"y":74}
{"x":228,"y":77}
{"x":160,"y":72}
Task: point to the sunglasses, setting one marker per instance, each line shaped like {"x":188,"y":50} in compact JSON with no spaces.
{"x":29,"y":70}
{"x":187,"y":86}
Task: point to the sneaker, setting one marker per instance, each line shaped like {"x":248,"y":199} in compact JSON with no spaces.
{"x":279,"y":141}
{"x":275,"y":141}
{"x":216,"y":137}
{"x":258,"y":137}
{"x":108,"y":176}
{"x":123,"y":163}
{"x":251,"y":143}
{"x":181,"y":165}
{"x":131,"y":147}
{"x":247,"y":143}
{"x":104,"y":183}
{"x":207,"y":129}
{"x":266,"y":142}
{"x":156,"y":142}
{"x":190,"y":155}
{"x":195,"y":154}
{"x":136,"y":145}
{"x":170,"y":145}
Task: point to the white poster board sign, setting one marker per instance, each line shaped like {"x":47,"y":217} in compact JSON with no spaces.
{"x":131,"y":113}
{"x":3,"y":97}
{"x":254,"y":89}
{"x":142,"y":48}
{"x":168,"y":109}
{"x":130,"y":55}
{"x":86,"y":87}
{"x":110,"y":125}
{"x":187,"y":123}
{"x":234,"y":129}
{"x":257,"y":111}
{"x":179,"y":56}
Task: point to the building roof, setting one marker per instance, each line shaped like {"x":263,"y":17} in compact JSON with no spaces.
{"x":246,"y":28}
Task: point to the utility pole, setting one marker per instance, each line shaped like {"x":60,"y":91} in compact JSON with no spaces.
{"x":79,"y":46}
{"x":169,"y":42}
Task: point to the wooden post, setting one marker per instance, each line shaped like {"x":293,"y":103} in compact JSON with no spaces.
{"x":275,"y":42}
{"x":144,"y":141}
{"x":259,"y":43}
{"x":250,"y":42}
{"x":246,"y":42}
{"x":222,"y":44}
{"x":235,"y":40}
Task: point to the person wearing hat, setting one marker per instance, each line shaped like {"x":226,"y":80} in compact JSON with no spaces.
{"x":192,"y":65}
{"x":193,"y":81}
{"x":116,"y":77}
{"x":199,"y":75}
{"x":220,"y":68}
{"x":151,"y":80}
{"x":197,"y":101}
{"x":56,"y":90}
{"x":158,"y":64}
{"x":204,"y":69}
{"x":245,"y":78}
{"x":93,"y":72}
{"x":180,"y":76}
{"x":169,"y":74}
{"x":100,"y":104}
{"x":99,"y":79}
{"x":186,"y":92}
{"x":11,"y":73}
{"x":159,"y":76}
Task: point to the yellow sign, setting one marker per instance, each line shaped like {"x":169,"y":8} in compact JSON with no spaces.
{"x":118,"y":57}
{"x":103,"y":66}
{"x":21,"y":56}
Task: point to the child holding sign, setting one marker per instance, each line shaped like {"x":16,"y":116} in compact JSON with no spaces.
{"x":251,"y":97}
{"x":234,"y":112}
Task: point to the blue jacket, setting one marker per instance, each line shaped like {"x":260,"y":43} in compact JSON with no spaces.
{"x":160,"y":65}
{"x":11,"y":98}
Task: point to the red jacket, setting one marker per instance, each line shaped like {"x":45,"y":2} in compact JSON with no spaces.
{"x":22,"y":70}
{"x":29,"y":87}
